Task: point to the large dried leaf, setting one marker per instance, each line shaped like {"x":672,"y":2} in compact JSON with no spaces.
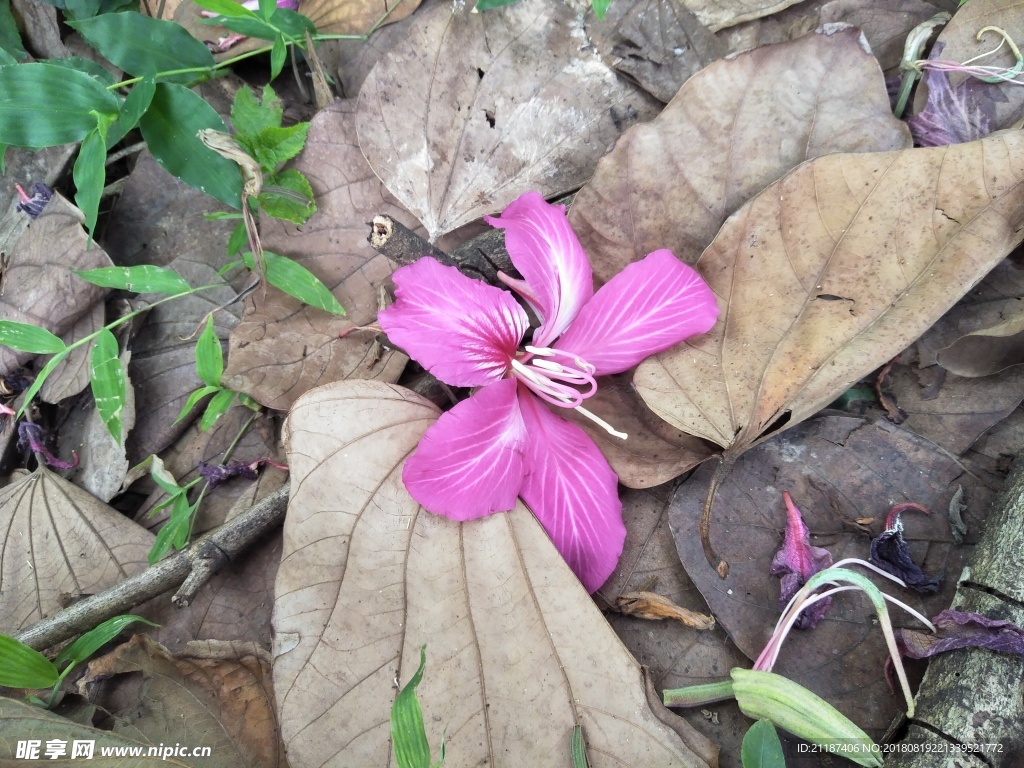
{"x":733,"y":128}
{"x":472,"y":109}
{"x":39,"y":286}
{"x":655,"y":451}
{"x":20,"y":721}
{"x":282,"y":347}
{"x":60,"y":543}
{"x":517,"y":652}
{"x":658,"y":43}
{"x":838,"y":470}
{"x":163,"y":356}
{"x":71,"y":375}
{"x":355,"y":17}
{"x":831,"y":272}
{"x":215,"y":695}
{"x":719,"y":14}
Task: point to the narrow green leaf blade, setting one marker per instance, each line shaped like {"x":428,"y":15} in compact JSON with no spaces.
{"x":141,"y":45}
{"x":100,"y":73}
{"x":90,"y":175}
{"x":600,"y":8}
{"x":41,"y":377}
{"x":174,"y":532}
{"x":209,"y":355}
{"x":194,"y":398}
{"x":408,"y":736}
{"x":216,"y":408}
{"x":579,"y":750}
{"x":486,"y":5}
{"x":86,"y":645}
{"x":226,"y":8}
{"x":44,"y":105}
{"x":238,"y":240}
{"x":107,"y":377}
{"x":293,"y":24}
{"x":132,"y":109}
{"x":297,"y":281}
{"x":23,"y":667}
{"x":25,"y":337}
{"x":10,"y":38}
{"x":278,"y":54}
{"x":244,"y":25}
{"x":170,"y":127}
{"x":145,"y":278}
{"x":267,"y":8}
{"x":761,"y":747}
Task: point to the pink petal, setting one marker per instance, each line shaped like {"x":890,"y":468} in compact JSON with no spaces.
{"x":573,"y":492}
{"x":470,"y":462}
{"x":461,"y":330}
{"x":547,"y":253}
{"x":646,"y":308}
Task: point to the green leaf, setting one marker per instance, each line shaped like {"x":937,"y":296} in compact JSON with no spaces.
{"x":100,"y":73}
{"x":226,"y":8}
{"x":223,"y":216}
{"x":761,"y":747}
{"x":486,"y":5}
{"x":244,"y":25}
{"x":600,"y":8}
{"x":145,"y":278}
{"x":294,"y":25}
{"x":217,"y":407}
{"x":3,"y":160}
{"x":141,"y":45}
{"x":6,"y":59}
{"x":267,"y":8}
{"x":579,"y":750}
{"x":106,"y":374}
{"x":163,"y":478}
{"x":175,"y":530}
{"x":23,"y":667}
{"x":408,"y":737}
{"x":209,"y":355}
{"x":238,"y":240}
{"x":295,"y":280}
{"x":90,"y":175}
{"x":86,"y":645}
{"x":170,"y":127}
{"x":132,"y":109}
{"x":194,"y":398}
{"x":44,"y":105}
{"x":25,"y":337}
{"x":273,"y":145}
{"x":10,"y":38}
{"x":278,"y":55}
{"x":287,"y":195}
{"x":41,"y":378}
{"x":251,"y":115}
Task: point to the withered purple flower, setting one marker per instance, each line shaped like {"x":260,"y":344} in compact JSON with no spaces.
{"x":962,"y":629}
{"x":891,"y":553}
{"x":796,"y":561}
{"x":31,"y":436}
{"x":33,"y":204}
{"x":217,"y":474}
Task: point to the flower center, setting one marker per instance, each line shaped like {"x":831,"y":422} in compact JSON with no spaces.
{"x":554,"y":375}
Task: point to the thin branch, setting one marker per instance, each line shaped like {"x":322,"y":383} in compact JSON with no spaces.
{"x":194,"y":566}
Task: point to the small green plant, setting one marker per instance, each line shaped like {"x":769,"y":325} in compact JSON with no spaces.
{"x":24,"y":667}
{"x":761,"y":747}
{"x":408,"y":736}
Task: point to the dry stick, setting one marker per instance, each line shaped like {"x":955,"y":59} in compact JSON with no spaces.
{"x":970,"y":704}
{"x":194,"y":566}
{"x":725,"y":462}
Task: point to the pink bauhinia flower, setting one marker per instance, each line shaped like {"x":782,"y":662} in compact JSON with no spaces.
{"x":504,"y":441}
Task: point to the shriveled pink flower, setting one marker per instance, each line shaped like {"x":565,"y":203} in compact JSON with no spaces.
{"x":505,"y":442}
{"x":796,"y":561}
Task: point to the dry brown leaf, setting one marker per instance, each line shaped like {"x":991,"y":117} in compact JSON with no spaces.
{"x":651,"y":605}
{"x":39,"y":287}
{"x":831,"y":272}
{"x":164,"y":361}
{"x":102,"y":462}
{"x":960,"y":42}
{"x":282,"y":347}
{"x":355,"y":17}
{"x":218,"y":696}
{"x":655,"y":451}
{"x":733,"y":128}
{"x":988,"y":351}
{"x":518,"y":653}
{"x":60,"y":543}
{"x":658,"y":43}
{"x":838,"y":469}
{"x":20,"y":721}
{"x":71,"y":375}
{"x":719,"y":14}
{"x":473,"y":109}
